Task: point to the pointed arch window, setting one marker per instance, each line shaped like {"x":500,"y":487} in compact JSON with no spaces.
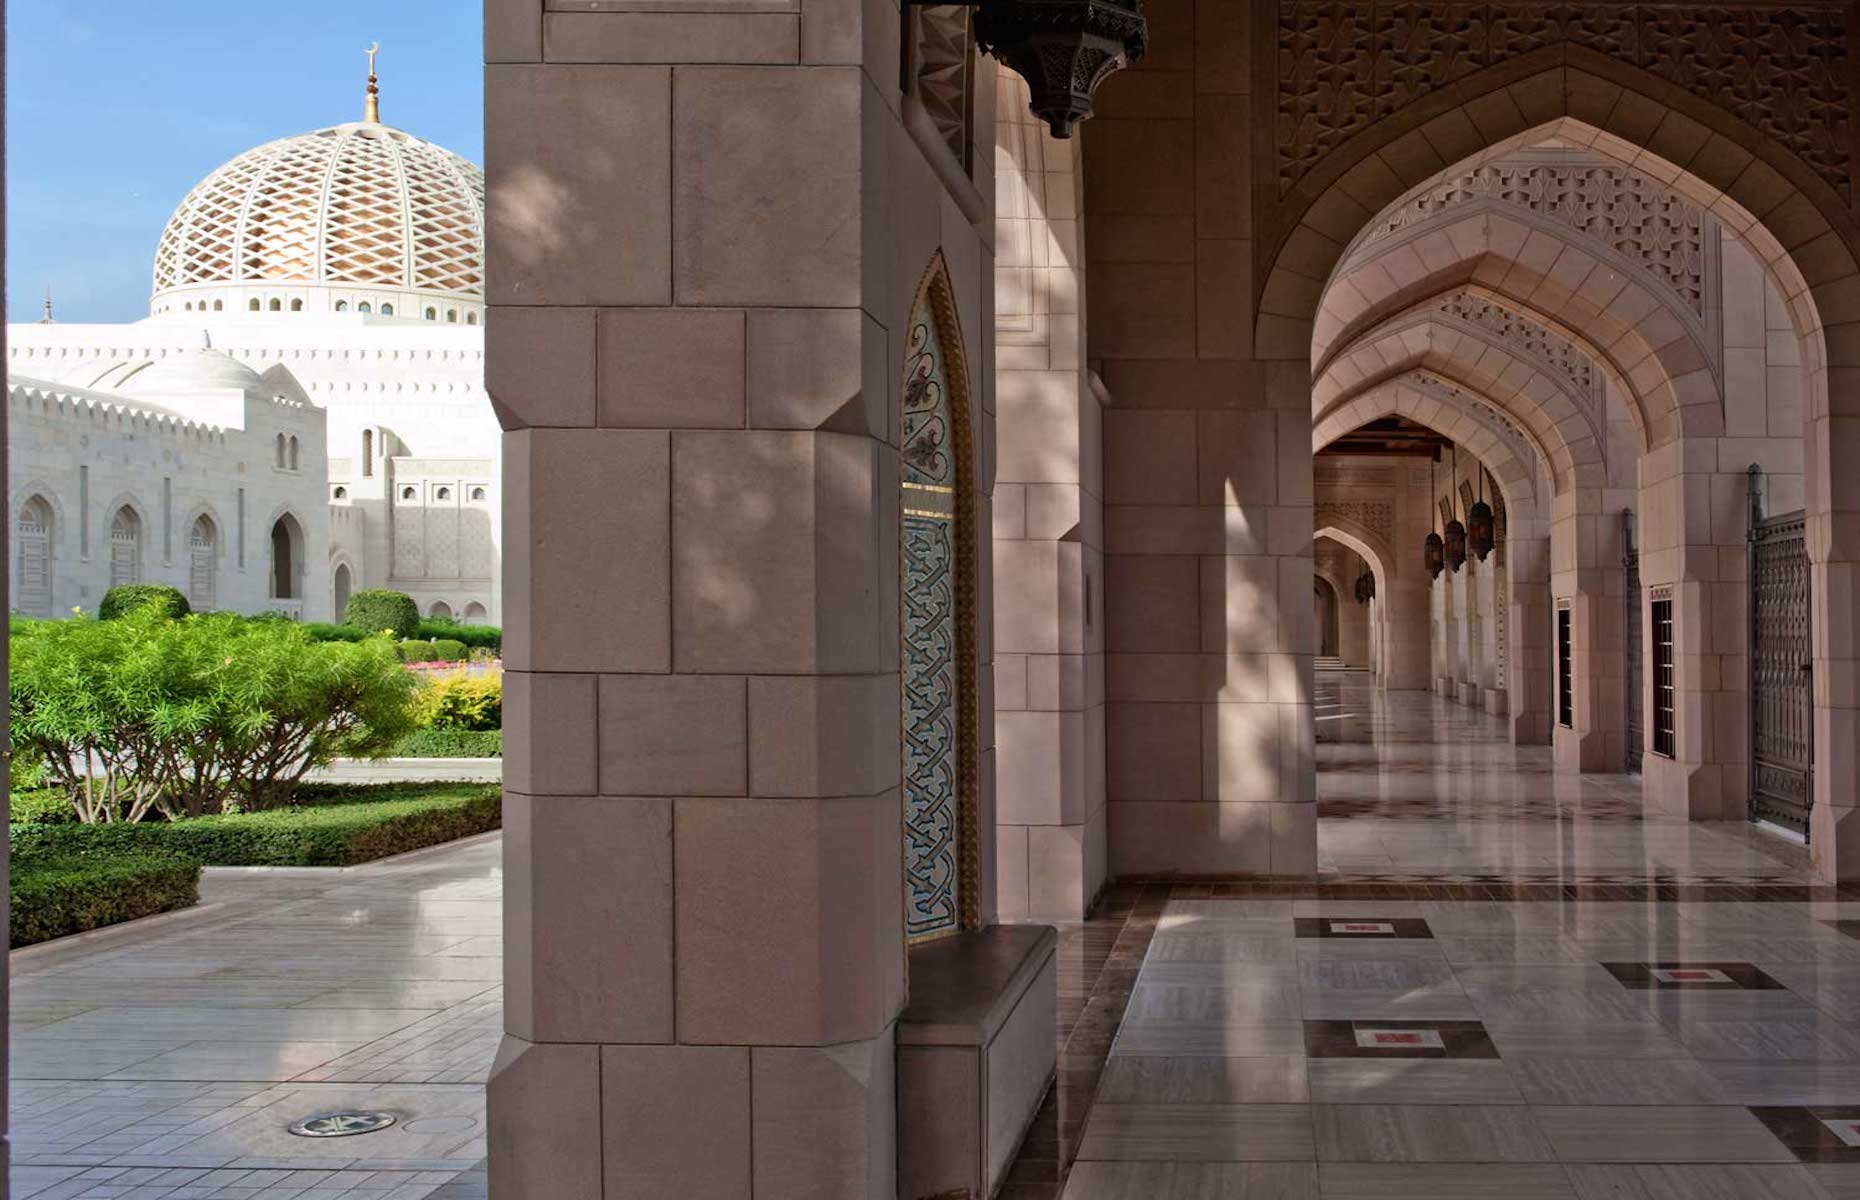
{"x":32,"y":540}
{"x":125,"y":547}
{"x":202,"y":564}
{"x":937,"y":546}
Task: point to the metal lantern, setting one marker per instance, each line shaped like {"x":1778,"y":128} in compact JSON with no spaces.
{"x":1456,"y":545}
{"x":1365,"y":588}
{"x":1432,"y":552}
{"x":1456,"y":532}
{"x":1480,"y":526}
{"x":1063,"y":48}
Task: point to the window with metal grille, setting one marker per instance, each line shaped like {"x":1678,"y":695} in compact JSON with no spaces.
{"x":1565,"y":671}
{"x":1663,"y":677}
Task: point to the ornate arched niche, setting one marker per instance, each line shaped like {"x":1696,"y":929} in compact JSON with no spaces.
{"x":937,"y":662}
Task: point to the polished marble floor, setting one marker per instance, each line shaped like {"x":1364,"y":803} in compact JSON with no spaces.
{"x":1675,"y":1015}
{"x":164,"y":1060}
{"x":1404,"y":1040}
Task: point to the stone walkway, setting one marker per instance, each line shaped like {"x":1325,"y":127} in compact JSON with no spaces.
{"x":164,"y":1061}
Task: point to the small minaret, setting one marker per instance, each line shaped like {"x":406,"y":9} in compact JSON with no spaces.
{"x":371,"y":110}
{"x":47,"y":318}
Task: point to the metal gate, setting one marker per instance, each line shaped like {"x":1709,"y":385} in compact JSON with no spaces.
{"x":1633,"y":640}
{"x":1781,"y":700}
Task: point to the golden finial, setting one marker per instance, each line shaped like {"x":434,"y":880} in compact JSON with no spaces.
{"x":372,"y":112}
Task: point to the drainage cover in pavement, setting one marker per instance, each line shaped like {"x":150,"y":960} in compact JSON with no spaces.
{"x":342,"y":1124}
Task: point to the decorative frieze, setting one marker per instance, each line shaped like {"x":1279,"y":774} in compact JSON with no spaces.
{"x":1377,"y":516}
{"x":1633,"y":215}
{"x":1781,"y":68}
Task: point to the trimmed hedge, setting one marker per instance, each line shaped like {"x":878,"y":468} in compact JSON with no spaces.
{"x":442,"y":650}
{"x":41,"y":806}
{"x":478,"y":637}
{"x":54,"y":896}
{"x":128,"y":597}
{"x":450,"y":743}
{"x":381,"y":608}
{"x":328,"y":827}
{"x":323,"y":631}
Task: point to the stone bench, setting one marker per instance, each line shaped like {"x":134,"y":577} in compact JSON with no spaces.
{"x":976,"y":1051}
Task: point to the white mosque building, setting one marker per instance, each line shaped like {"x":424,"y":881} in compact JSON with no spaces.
{"x":302,"y":414}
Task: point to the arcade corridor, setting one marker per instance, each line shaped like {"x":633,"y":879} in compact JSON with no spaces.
{"x":1665,"y":1017}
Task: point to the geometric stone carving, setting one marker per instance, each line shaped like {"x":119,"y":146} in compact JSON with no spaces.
{"x":1632,"y":214}
{"x":1780,"y":68}
{"x":941,"y":77}
{"x":1377,"y":516}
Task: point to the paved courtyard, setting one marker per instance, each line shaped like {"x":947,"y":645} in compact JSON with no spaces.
{"x":166,"y":1060}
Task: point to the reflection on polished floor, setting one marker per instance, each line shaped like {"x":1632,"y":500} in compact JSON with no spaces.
{"x":1678,"y":1018}
{"x":163,"y":1060}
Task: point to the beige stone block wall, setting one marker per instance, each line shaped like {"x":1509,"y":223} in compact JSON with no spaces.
{"x":705,"y":232}
{"x":1048,"y":530}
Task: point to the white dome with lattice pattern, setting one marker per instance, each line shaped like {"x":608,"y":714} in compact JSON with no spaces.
{"x":361,"y":218}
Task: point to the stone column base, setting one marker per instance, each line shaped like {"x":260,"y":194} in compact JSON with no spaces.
{"x":1497,"y":702}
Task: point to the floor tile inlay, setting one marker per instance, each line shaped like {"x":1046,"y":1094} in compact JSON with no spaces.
{"x":1724,"y":976}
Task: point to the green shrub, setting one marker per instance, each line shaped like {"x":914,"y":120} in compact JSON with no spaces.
{"x":449,"y":743}
{"x":56,"y":896}
{"x":334,"y":828}
{"x":129,"y":597}
{"x":380,"y":609}
{"x":323,"y":631}
{"x":440,"y":650}
{"x":462,"y":700}
{"x":183,"y":717}
{"x":40,"y":806}
{"x":478,"y":637}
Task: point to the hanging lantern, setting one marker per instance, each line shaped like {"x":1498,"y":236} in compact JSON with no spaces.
{"x":1432,"y":551}
{"x":1063,"y":48}
{"x":1481,"y":525}
{"x":1456,"y":545}
{"x":1456,"y":532}
{"x":1365,"y":588}
{"x":1479,"y":529}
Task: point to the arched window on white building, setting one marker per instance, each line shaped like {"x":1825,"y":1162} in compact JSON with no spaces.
{"x":440,"y":611}
{"x":252,"y":305}
{"x":342,"y":306}
{"x":475,"y":613}
{"x":125,"y":547}
{"x":344,"y":583}
{"x":276,"y":305}
{"x":387,"y":310}
{"x":368,"y":453}
{"x":202,"y":564}
{"x":287,"y":557}
{"x":297,"y":306}
{"x":277,"y":457}
{"x":364,"y":307}
{"x":32,"y":540}
{"x":292,"y":452}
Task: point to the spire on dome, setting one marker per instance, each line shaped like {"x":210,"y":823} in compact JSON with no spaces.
{"x":47,"y":318}
{"x":371,"y":111}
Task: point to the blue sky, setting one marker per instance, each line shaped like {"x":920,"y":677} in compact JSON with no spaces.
{"x":115,"y":108}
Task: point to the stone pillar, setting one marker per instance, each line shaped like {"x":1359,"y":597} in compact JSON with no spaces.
{"x":1529,"y":674}
{"x":1409,"y":630}
{"x":1049,"y":556}
{"x":704,"y":235}
{"x":1352,"y":629}
{"x":1208,"y":471}
{"x":1579,"y":577}
{"x":1833,"y":445}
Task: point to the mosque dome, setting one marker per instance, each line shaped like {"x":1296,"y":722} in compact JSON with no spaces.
{"x":198,"y":370}
{"x":358,"y":217}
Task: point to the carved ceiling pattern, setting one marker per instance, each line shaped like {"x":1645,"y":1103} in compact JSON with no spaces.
{"x":1781,"y":68}
{"x":943,"y":80}
{"x":1633,"y":215}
